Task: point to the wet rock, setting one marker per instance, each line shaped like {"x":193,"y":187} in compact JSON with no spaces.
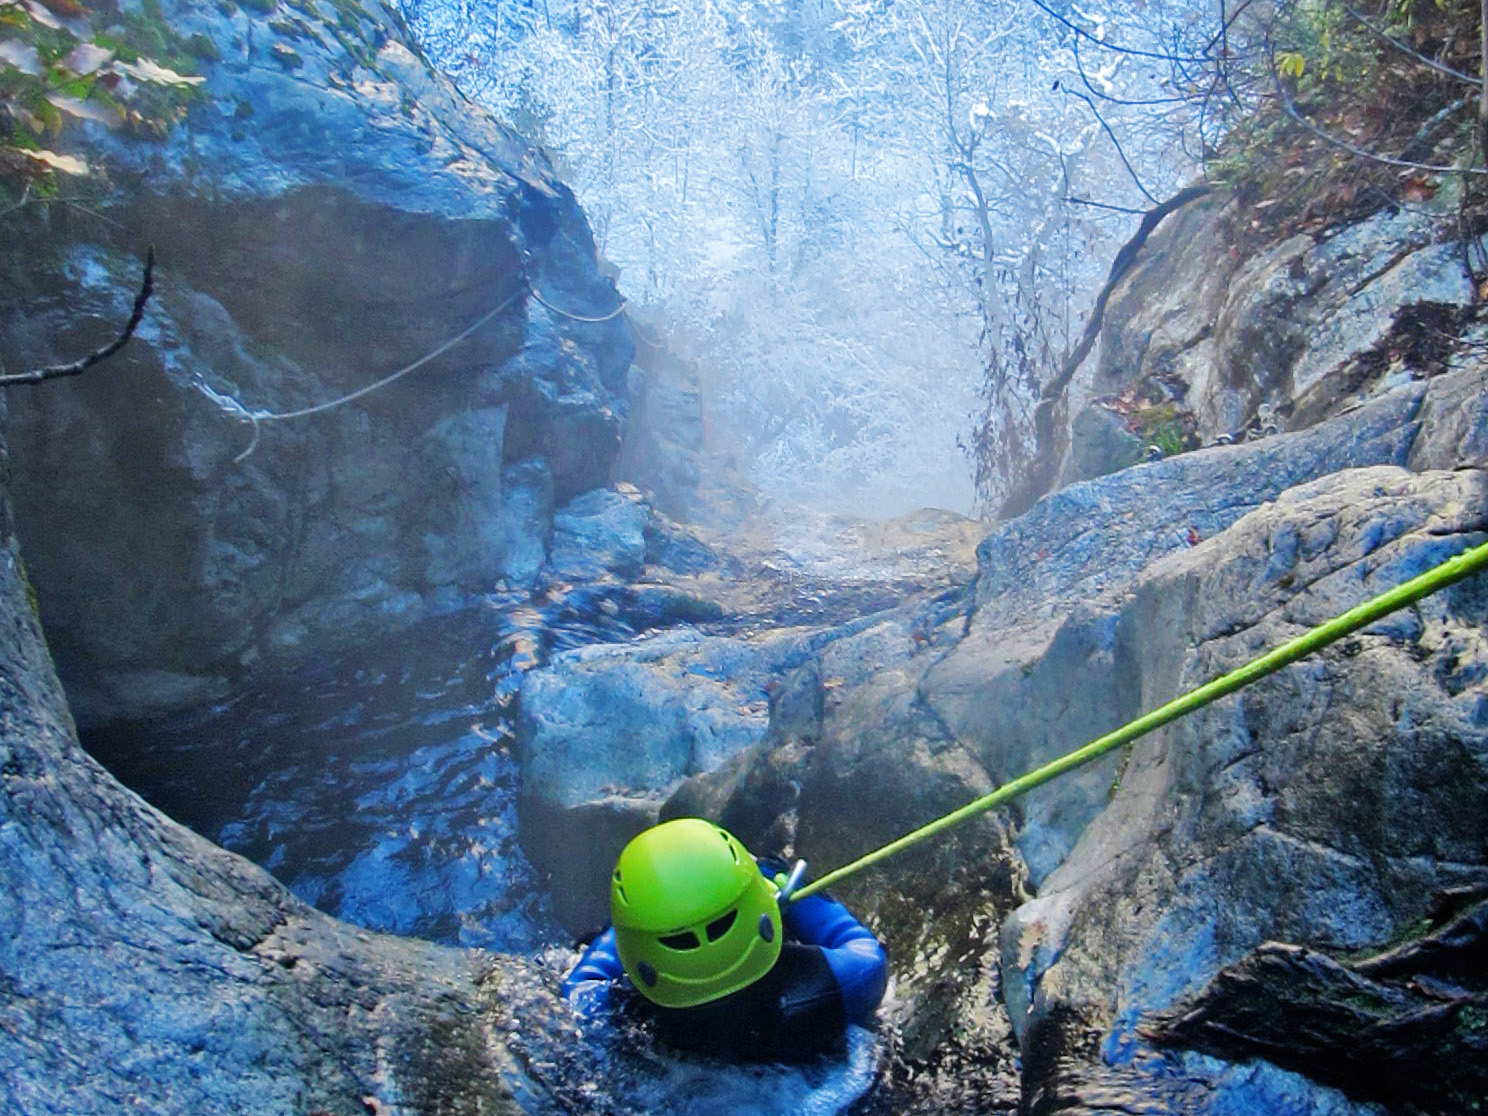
{"x":601,"y":532}
{"x":1319,"y":806}
{"x":366,"y":216}
{"x":140,"y":964}
{"x":606,"y":731}
{"x":1408,"y":1028}
{"x":526,"y":519}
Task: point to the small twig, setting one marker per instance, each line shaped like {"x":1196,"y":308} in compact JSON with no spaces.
{"x":1085,"y":80}
{"x":91,"y":213}
{"x":57,"y":371}
{"x":1104,"y":205}
{"x":1077,"y":29}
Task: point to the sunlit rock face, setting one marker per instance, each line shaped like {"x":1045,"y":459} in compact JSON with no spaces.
{"x":1207,"y":339}
{"x":328,"y":212}
{"x":1327,"y":807}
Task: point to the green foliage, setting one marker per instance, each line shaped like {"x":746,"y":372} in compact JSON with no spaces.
{"x":1357,"y":96}
{"x":126,"y":69}
{"x":30,"y":589}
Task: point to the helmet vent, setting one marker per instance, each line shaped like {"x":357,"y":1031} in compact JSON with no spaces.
{"x":721,"y":926}
{"x":683,"y":941}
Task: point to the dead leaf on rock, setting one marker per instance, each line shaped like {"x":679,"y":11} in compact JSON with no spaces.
{"x":1418,"y":188}
{"x":86,"y":110}
{"x":67,"y":164}
{"x":146,"y":70}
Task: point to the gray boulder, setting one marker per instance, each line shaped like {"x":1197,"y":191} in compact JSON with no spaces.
{"x":1323,"y":806}
{"x":1235,"y":344}
{"x":141,"y":965}
{"x":329,"y":211}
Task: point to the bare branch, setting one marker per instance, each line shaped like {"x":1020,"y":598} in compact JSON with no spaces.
{"x":1039,"y":481}
{"x":1103,"y":205}
{"x":1353,"y":149}
{"x":1085,"y":79}
{"x":58,"y":371}
{"x":1116,"y":143}
{"x":1398,"y":45}
{"x":1077,"y":29}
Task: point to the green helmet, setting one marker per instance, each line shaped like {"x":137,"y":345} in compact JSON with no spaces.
{"x":694,"y":918}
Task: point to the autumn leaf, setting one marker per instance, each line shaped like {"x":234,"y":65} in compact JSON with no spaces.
{"x":67,"y":9}
{"x":1418,"y":188}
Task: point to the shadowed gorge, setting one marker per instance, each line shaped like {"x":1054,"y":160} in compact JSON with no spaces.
{"x":537,"y":429}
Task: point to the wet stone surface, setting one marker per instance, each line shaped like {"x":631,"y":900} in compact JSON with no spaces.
{"x":379,"y":787}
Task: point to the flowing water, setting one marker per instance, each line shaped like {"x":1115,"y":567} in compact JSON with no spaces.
{"x":381,"y":787}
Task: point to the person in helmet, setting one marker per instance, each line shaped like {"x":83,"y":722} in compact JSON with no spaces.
{"x":725,"y":968}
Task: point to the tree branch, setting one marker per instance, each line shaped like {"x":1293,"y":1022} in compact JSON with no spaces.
{"x":1040,"y":477}
{"x":1296,"y":114}
{"x":1116,"y":143}
{"x":1419,"y":57}
{"x":57,"y":371}
{"x":1078,"y":30}
{"x":1072,"y":200}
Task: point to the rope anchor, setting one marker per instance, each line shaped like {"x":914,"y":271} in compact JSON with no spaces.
{"x":1423,"y":585}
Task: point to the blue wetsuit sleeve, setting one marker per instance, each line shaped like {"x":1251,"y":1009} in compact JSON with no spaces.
{"x":587,"y":986}
{"x":854,"y":955}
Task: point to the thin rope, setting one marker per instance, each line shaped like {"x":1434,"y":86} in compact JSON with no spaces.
{"x":256,"y":418}
{"x":236,"y":409}
{"x":1360,"y":616}
{"x":611,"y":316}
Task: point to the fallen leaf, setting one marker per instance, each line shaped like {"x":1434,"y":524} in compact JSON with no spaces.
{"x":1418,"y":189}
{"x":86,"y":110}
{"x":146,"y":70}
{"x":22,"y":56}
{"x":67,"y":164}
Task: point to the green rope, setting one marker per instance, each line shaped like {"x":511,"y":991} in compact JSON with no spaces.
{"x":1423,"y":585}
